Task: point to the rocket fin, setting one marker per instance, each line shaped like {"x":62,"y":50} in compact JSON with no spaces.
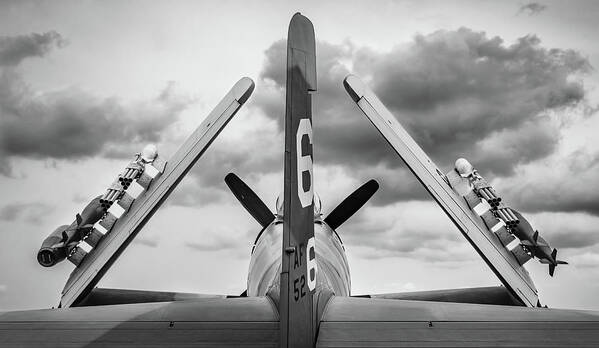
{"x":527,"y":243}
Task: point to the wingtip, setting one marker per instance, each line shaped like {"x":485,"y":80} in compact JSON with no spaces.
{"x":243,"y":89}
{"x":354,"y":87}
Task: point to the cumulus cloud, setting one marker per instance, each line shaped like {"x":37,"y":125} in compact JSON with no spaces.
{"x":566,"y":230}
{"x":214,"y":244}
{"x":561,"y":184}
{"x":457,"y":92}
{"x":13,"y":49}
{"x":250,"y":150}
{"x":29,"y":212}
{"x":71,"y":123}
{"x":421,"y":230}
{"x":152,"y":243}
{"x":416,"y":230}
{"x":588,"y":260}
{"x":532,"y":8}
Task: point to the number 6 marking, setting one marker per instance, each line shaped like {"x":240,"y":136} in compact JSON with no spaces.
{"x":304,"y":163}
{"x":311,"y":263}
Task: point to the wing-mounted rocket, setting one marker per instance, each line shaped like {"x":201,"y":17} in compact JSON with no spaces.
{"x":74,"y":241}
{"x":504,"y":221}
{"x":95,"y":241}
{"x":59,"y":244}
{"x":138,"y":192}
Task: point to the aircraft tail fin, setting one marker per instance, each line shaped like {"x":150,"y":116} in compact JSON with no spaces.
{"x":298,"y":274}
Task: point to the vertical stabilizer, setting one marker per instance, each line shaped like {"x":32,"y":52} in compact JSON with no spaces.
{"x":298,"y":274}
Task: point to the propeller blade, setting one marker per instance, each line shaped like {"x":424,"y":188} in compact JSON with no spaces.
{"x":351,"y":204}
{"x":250,"y":200}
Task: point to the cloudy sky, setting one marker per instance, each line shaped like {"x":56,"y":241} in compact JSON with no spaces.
{"x":511,"y":85}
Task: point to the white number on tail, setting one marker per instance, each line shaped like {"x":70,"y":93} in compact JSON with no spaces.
{"x":304,"y":163}
{"x":311,"y":263}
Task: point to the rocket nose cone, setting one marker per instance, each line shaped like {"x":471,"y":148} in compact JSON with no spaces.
{"x":46,"y":258}
{"x":464,"y":167}
{"x":149,"y":153}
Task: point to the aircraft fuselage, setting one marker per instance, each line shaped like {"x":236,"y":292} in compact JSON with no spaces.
{"x":265,"y":262}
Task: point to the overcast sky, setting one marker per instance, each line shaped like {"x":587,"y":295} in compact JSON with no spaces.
{"x":511,"y":85}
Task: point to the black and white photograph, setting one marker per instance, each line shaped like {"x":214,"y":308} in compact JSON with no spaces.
{"x":390,"y":173}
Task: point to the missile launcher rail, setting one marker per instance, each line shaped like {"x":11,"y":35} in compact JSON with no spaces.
{"x":137,"y":172}
{"x":499,"y":219}
{"x":475,"y":190}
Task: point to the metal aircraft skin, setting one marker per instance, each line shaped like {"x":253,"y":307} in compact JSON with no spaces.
{"x":299,"y":288}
